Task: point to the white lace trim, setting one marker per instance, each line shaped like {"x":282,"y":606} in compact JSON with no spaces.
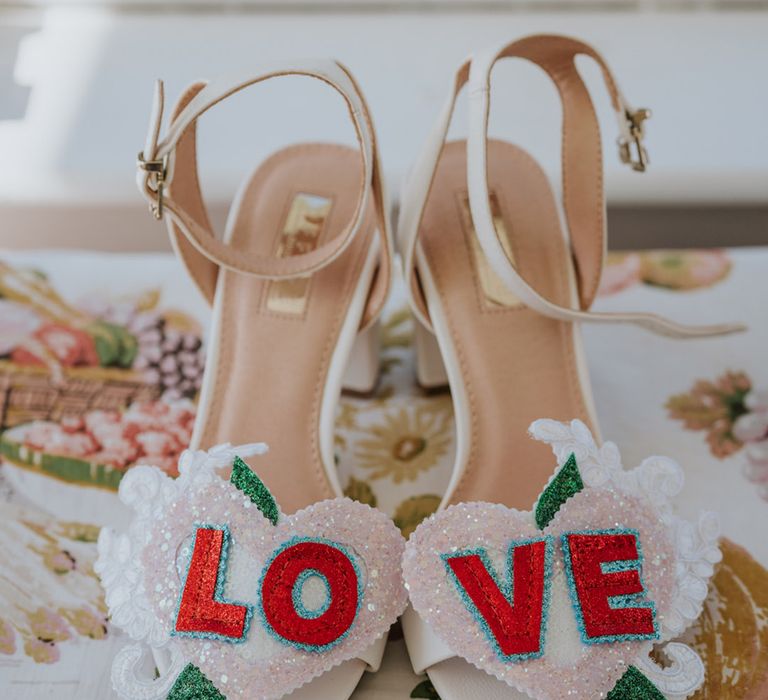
{"x":682,"y":677}
{"x":133,"y":677}
{"x":658,"y":480}
{"x":148,"y":491}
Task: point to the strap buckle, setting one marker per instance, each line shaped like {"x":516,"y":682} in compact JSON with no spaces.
{"x":157,"y":171}
{"x":631,"y":150}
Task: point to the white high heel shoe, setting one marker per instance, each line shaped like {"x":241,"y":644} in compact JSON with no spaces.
{"x":296,"y":284}
{"x":499,"y":292}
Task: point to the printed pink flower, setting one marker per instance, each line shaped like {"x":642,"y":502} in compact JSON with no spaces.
{"x":7,"y":638}
{"x":685,"y":269}
{"x":752,"y":430}
{"x":714,"y":407}
{"x":156,"y":442}
{"x":60,"y":561}
{"x":679,"y":270}
{"x":149,"y":433}
{"x":55,"y":439}
{"x":86,"y":622}
{"x":42,"y":652}
{"x":735,"y":418}
{"x":70,"y":346}
{"x":621,"y":272}
{"x":48,"y":626}
{"x":17,"y":323}
{"x":751,"y":427}
{"x":72,"y":424}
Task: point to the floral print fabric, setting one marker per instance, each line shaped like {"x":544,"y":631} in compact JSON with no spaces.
{"x":62,"y":600}
{"x":701,"y":402}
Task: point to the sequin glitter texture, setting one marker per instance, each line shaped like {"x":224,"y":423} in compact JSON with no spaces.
{"x":604,"y":568}
{"x":262,"y":666}
{"x":566,"y":483}
{"x":203,"y":611}
{"x":511,"y":613}
{"x":568,"y":670}
{"x":635,"y":686}
{"x":193,"y":685}
{"x":279,"y":610}
{"x":249,"y":483}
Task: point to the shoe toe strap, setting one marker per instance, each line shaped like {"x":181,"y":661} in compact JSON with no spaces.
{"x":425,"y":648}
{"x":374,"y":654}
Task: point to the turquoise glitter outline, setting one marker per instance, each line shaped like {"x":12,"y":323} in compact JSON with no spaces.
{"x":298,"y":588}
{"x":507,"y":589}
{"x":218,"y":596}
{"x":314,"y":648}
{"x":634,"y":600}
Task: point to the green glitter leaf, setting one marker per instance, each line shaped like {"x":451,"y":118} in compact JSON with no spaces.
{"x":253,"y":487}
{"x":192,"y":684}
{"x":567,"y":483}
{"x":633,"y":685}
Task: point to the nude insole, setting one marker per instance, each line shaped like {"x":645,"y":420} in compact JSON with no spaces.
{"x":275,"y":339}
{"x":516,"y":364}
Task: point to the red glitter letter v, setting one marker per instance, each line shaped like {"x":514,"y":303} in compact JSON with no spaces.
{"x":514,"y":627}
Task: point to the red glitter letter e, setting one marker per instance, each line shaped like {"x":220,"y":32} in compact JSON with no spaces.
{"x":595,"y":587}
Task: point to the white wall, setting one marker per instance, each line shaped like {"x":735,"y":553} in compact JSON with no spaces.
{"x":67,"y":168}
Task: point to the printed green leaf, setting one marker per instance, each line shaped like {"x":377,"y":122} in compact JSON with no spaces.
{"x":425,"y":689}
{"x":128,"y":350}
{"x":567,"y":483}
{"x":253,"y":487}
{"x":633,"y":685}
{"x":413,"y":510}
{"x":192,"y":684}
{"x":115,"y":346}
{"x":360,"y":491}
{"x":106,"y":342}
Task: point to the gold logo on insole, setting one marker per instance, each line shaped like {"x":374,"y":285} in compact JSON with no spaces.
{"x":495,"y":292}
{"x":301,"y":232}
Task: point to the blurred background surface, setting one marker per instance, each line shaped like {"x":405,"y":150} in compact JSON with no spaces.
{"x":76,"y":83}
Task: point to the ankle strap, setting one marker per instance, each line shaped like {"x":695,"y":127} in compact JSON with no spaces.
{"x":582,"y":160}
{"x":168,"y":180}
{"x":582,"y":180}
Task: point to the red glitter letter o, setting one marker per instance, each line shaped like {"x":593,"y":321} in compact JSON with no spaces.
{"x":277,"y":587}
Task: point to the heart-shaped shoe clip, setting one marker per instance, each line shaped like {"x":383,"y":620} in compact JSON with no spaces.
{"x":239,"y":599}
{"x":566,"y":601}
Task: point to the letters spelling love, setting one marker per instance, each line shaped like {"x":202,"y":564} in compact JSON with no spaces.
{"x":603,"y":569}
{"x":204,"y":613}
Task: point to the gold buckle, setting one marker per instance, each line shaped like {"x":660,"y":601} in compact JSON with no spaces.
{"x":632,"y":151}
{"x":158,"y":168}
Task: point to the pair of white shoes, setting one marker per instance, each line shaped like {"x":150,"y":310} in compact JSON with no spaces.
{"x":500,"y":275}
